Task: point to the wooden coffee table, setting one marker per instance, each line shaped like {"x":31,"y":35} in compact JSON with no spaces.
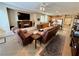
{"x":36,"y":37}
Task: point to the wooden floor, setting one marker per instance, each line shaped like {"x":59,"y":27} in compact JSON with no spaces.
{"x":67,"y":48}
{"x":14,"y":47}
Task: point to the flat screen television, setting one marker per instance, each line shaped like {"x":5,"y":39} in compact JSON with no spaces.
{"x":24,"y":16}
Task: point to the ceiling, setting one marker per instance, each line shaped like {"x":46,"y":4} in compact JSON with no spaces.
{"x":54,"y":8}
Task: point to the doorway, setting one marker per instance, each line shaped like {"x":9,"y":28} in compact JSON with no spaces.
{"x":67,"y":22}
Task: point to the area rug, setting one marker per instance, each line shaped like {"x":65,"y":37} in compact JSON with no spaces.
{"x":54,"y":47}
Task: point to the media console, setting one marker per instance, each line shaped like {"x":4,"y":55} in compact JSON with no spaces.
{"x":24,"y":23}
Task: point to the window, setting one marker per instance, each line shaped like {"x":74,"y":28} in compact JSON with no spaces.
{"x":44,"y":19}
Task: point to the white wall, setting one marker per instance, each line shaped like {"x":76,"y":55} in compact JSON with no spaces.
{"x":13,"y":18}
{"x":34,"y":17}
{"x":4,"y":23}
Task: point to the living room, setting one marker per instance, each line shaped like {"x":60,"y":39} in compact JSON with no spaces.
{"x":33,"y":29}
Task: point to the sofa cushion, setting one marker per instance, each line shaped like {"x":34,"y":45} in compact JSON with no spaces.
{"x":24,"y":33}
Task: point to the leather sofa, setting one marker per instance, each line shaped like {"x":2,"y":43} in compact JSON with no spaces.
{"x":49,"y":33}
{"x":25,"y":36}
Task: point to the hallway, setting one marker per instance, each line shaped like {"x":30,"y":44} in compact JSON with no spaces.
{"x":66,"y":32}
{"x":67,"y":48}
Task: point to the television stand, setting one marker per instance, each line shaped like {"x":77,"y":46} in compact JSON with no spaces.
{"x":24,"y":23}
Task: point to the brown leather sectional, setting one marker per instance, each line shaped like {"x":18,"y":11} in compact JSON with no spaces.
{"x":46,"y":35}
{"x":25,"y":36}
{"x":49,"y":33}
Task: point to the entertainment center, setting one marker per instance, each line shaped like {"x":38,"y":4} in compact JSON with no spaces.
{"x":24,"y":20}
{"x":24,"y":23}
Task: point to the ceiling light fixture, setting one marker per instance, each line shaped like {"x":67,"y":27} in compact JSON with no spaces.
{"x":57,"y":11}
{"x":42,"y":7}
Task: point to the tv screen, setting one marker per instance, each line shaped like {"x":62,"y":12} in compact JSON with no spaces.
{"x":24,"y":16}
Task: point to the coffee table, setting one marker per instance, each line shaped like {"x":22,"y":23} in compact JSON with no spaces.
{"x":36,"y":37}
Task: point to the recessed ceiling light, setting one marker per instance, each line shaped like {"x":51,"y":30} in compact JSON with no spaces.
{"x":57,"y":11}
